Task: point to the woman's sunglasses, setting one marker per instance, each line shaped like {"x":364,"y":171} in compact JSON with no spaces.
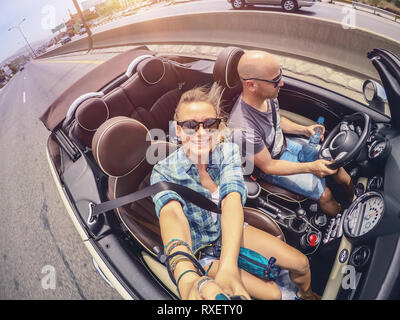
{"x":275,"y":81}
{"x":191,"y":126}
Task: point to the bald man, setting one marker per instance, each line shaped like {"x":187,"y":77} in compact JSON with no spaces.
{"x":260,"y":135}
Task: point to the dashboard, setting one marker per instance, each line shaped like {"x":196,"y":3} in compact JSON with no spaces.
{"x":370,"y":225}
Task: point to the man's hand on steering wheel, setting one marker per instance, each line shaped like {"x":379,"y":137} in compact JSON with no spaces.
{"x":320,"y":168}
{"x":343,"y":144}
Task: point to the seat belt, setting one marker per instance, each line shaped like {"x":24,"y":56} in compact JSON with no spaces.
{"x":185,"y":192}
{"x":274,"y":120}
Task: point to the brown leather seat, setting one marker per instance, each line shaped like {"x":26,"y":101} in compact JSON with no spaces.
{"x":149,"y":96}
{"x":226,"y":75}
{"x":120,"y":148}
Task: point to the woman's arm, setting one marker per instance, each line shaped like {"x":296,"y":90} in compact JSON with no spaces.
{"x":174,"y":225}
{"x":228,"y":276}
{"x":232,"y":220}
{"x":233,"y":195}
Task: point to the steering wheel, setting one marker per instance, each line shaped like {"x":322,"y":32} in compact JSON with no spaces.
{"x":343,"y":144}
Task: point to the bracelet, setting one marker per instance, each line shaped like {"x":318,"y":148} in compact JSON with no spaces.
{"x":183,"y":273}
{"x":174,"y":261}
{"x":175,"y":243}
{"x":196,"y":264}
{"x":202,"y":282}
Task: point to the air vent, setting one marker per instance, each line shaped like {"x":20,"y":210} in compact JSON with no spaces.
{"x":360,"y":256}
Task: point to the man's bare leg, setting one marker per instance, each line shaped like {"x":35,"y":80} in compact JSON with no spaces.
{"x":328,"y":203}
{"x":342,"y":178}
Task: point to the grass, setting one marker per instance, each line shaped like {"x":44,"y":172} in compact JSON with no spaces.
{"x":391,"y":5}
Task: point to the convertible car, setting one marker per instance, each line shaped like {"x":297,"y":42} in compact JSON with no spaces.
{"x":107,"y":126}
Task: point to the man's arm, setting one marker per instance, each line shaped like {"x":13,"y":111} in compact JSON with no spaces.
{"x":264,"y":162}
{"x":291,"y":127}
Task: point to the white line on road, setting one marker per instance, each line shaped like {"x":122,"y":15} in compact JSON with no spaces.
{"x":24,"y":97}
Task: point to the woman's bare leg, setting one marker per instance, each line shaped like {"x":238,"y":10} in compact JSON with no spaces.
{"x":256,"y":287}
{"x":286,"y":256}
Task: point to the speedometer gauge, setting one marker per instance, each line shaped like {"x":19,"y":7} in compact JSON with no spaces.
{"x":364,"y":214}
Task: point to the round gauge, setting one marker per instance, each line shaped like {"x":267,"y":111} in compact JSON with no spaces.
{"x":364,"y":214}
{"x":377,"y":149}
{"x":375,"y":183}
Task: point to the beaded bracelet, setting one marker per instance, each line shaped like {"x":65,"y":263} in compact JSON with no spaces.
{"x":175,"y":243}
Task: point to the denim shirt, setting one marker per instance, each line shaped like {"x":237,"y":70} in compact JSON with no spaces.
{"x":225,"y":170}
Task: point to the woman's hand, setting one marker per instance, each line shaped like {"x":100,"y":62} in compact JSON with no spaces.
{"x":309,"y":131}
{"x":230,"y":281}
{"x":209,"y":289}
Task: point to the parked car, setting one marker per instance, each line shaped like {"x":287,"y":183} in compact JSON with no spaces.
{"x":286,"y":5}
{"x":65,"y":40}
{"x":122,"y":101}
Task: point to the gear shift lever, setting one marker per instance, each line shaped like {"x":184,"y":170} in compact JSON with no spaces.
{"x":301,"y":213}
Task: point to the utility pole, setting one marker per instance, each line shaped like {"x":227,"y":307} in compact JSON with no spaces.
{"x":26,"y":41}
{"x":89,"y":32}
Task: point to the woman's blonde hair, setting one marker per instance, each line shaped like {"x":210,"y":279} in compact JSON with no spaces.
{"x":211,"y":96}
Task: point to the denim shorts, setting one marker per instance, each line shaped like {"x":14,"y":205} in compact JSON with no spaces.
{"x":305,"y":184}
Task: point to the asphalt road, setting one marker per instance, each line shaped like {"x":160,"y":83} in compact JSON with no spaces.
{"x":37,"y":238}
{"x":334,"y":12}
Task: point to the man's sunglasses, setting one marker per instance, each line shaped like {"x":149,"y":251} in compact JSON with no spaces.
{"x":275,"y":81}
{"x":191,"y":126}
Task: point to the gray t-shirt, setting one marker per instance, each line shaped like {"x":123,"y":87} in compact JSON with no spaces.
{"x":254,"y":129}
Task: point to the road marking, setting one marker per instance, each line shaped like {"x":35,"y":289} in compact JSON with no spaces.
{"x":24,"y":97}
{"x":74,"y":61}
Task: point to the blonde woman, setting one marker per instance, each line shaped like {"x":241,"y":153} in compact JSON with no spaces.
{"x":213,"y":169}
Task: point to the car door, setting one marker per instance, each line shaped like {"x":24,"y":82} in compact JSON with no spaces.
{"x":306,"y":102}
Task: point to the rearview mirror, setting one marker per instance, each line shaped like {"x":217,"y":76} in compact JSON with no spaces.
{"x":375,"y":95}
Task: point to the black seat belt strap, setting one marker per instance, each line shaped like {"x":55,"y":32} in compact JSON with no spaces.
{"x":185,"y":192}
{"x":275,"y":123}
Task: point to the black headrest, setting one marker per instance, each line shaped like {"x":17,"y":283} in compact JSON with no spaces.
{"x":225,"y":67}
{"x":151,"y":70}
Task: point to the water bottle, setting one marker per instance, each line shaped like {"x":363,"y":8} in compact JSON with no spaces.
{"x":309,"y":151}
{"x":173,"y":138}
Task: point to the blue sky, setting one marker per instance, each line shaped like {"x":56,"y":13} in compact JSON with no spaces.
{"x":39,"y":14}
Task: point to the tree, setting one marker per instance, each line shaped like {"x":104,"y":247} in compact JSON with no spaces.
{"x":13,"y":67}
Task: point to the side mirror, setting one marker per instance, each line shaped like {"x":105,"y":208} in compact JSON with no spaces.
{"x":375,"y":95}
